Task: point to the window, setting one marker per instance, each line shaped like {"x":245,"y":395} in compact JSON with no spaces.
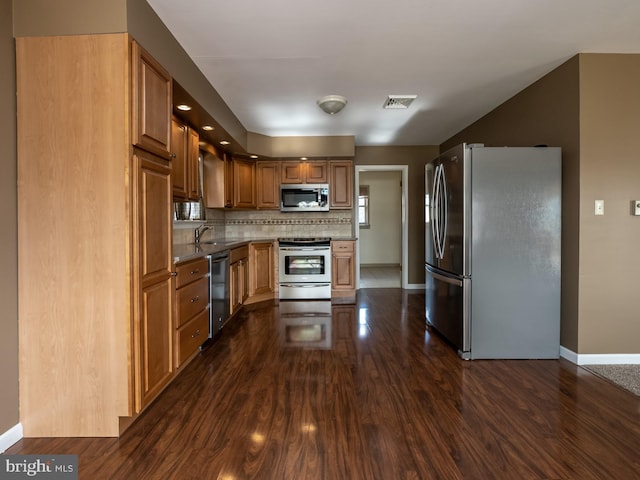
{"x":363,"y":206}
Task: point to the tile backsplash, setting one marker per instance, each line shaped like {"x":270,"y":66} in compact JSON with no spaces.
{"x":258,"y":224}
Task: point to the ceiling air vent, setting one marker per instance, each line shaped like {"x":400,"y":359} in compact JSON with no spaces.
{"x":399,"y":101}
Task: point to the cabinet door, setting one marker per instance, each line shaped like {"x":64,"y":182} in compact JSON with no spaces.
{"x":244,"y":279}
{"x":261,"y":267}
{"x":179,"y":163}
{"x":268,"y":185}
{"x":343,"y":268}
{"x":193,"y":168}
{"x":235,"y":288}
{"x":152,"y":283}
{"x":214,"y":181}
{"x":291,"y":172}
{"x":341,"y":184}
{"x":244,"y":183}
{"x":151,"y":103}
{"x":316,"y":172}
{"x":229,"y":182}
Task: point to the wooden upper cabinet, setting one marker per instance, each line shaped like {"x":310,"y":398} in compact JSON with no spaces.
{"x":213,"y":182}
{"x":229,"y":183}
{"x":340,"y":184}
{"x":151,"y":107}
{"x":244,"y":183}
{"x":268,"y":185}
{"x":179,"y":163}
{"x":294,"y":171}
{"x":184,"y":166}
{"x":316,"y":171}
{"x":193,"y":169}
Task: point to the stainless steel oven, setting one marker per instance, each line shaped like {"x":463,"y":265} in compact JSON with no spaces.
{"x":305,"y":268}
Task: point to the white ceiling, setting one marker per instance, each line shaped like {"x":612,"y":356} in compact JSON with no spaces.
{"x":271,"y":60}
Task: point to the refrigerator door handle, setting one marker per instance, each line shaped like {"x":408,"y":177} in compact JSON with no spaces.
{"x":444,"y":278}
{"x":445,"y":214}
{"x":439,"y":211}
{"x":435,"y":233}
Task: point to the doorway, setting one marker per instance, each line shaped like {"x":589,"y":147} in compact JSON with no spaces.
{"x":382,"y":241}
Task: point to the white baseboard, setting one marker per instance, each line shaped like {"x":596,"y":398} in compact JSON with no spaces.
{"x":11,"y":436}
{"x":415,"y":286}
{"x":599,"y":358}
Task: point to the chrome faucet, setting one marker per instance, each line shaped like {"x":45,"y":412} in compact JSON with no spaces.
{"x":197,"y":233}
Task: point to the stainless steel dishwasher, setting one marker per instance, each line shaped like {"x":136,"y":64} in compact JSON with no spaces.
{"x":219,"y":291}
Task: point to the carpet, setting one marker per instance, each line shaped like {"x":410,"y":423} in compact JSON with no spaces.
{"x":626,"y":376}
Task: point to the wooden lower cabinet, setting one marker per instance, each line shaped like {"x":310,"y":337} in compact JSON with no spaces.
{"x":343,"y":269}
{"x":238,"y":277}
{"x":192,"y":308}
{"x":190,"y":336}
{"x":261,"y":268}
{"x":155,"y":365}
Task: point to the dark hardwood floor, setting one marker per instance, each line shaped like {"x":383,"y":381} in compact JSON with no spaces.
{"x":382,"y":398}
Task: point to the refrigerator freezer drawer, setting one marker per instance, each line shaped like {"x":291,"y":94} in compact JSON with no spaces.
{"x":447,"y":307}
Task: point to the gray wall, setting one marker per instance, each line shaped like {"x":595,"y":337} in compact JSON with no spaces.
{"x":9,"y":406}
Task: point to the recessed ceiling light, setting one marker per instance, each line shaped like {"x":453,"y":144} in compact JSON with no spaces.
{"x":254,"y":156}
{"x":183,"y":107}
{"x":208,"y":128}
{"x":224,"y":142}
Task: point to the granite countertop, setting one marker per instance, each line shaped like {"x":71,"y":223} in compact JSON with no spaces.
{"x":189,"y":251}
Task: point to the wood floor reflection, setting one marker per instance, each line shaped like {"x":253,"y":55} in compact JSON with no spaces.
{"x":382,"y":398}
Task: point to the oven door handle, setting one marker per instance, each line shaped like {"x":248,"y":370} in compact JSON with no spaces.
{"x":307,"y":285}
{"x":299,"y":249}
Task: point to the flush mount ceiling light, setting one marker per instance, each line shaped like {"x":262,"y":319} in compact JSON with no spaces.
{"x":332,"y":104}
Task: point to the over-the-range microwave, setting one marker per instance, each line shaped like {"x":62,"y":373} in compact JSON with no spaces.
{"x":306,"y":197}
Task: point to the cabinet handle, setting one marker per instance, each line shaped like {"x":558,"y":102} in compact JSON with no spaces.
{"x":196,"y":334}
{"x":172,"y":155}
{"x":174,"y":274}
{"x":195,"y":299}
{"x":195,"y":272}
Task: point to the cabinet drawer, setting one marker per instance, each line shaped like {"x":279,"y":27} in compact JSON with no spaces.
{"x":342,"y":246}
{"x":191,"y":299}
{"x":238,"y":253}
{"x":190,"y":271}
{"x":191,"y":336}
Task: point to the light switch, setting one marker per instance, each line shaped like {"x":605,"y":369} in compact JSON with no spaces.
{"x":599,"y":207}
{"x":635,"y":207}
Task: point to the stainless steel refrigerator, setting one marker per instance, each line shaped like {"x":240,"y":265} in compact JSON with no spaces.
{"x":492,"y":254}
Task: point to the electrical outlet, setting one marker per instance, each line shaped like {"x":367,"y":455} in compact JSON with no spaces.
{"x":635,"y":207}
{"x":599,"y":207}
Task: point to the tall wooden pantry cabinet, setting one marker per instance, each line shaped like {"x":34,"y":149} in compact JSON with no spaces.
{"x":94,"y":232}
